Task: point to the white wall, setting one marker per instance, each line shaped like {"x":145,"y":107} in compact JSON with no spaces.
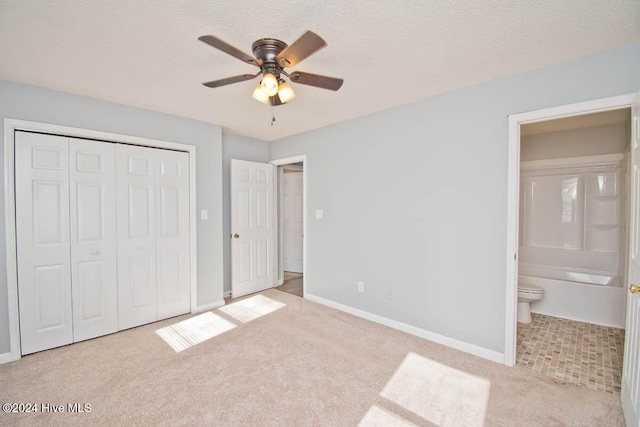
{"x":239,"y":148}
{"x":30,"y":103}
{"x":415,"y":198}
{"x":591,"y":141}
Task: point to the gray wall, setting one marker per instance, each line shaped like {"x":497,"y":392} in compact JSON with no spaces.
{"x":591,"y":141}
{"x":415,"y":198}
{"x":41,"y":105}
{"x":239,"y":148}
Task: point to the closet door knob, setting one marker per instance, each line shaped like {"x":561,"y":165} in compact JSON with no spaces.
{"x":236,"y":236}
{"x":634,"y":289}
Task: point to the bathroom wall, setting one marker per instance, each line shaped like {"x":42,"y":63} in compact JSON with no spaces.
{"x":591,"y":141}
{"x":597,"y":304}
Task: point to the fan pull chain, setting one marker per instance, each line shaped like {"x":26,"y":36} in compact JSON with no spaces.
{"x":273,"y":116}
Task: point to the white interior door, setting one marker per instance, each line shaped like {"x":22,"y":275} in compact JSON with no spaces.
{"x":292,"y":189}
{"x":136,"y":221}
{"x":630,"y":394}
{"x":172,"y":239}
{"x":42,"y":230}
{"x":252,"y":227}
{"x":94,"y":281}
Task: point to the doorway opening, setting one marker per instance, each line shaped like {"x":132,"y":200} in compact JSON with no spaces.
{"x":572,"y":247}
{"x":291,"y":218}
{"x":513,"y":196}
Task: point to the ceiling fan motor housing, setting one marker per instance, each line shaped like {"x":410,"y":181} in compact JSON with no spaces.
{"x":266,"y":52}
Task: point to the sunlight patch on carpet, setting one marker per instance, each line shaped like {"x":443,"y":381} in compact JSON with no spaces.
{"x":438,"y":393}
{"x":379,"y":417}
{"x":251,"y":308}
{"x":195,"y":330}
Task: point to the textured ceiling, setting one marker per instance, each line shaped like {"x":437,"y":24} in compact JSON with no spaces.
{"x":145,"y":53}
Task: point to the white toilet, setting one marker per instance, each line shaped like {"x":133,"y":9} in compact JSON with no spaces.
{"x":526,"y":295}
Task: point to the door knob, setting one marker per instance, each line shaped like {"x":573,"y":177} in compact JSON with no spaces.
{"x":95,"y":252}
{"x":634,"y":289}
{"x":235,"y":236}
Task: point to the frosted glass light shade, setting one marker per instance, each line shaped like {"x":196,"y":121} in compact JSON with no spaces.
{"x":259,"y":95}
{"x":269,"y":84}
{"x":285,"y":92}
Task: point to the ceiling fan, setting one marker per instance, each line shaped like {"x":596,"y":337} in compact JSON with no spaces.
{"x":272,"y":56}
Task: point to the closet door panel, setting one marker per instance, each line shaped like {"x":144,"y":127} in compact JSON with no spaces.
{"x":42,"y":228}
{"x":136,"y":222}
{"x":172,"y":189}
{"x":93,"y":238}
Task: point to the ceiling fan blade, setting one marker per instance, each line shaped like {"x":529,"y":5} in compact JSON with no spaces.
{"x":230,"y":80}
{"x":323,"y":82}
{"x":305,"y":46}
{"x":227,"y":48}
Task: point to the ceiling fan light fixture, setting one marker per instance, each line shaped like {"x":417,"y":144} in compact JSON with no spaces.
{"x":269,"y":84}
{"x":285,"y":92}
{"x":259,"y":95}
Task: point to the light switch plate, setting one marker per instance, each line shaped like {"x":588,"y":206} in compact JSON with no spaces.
{"x":319,"y":213}
{"x":204,"y":214}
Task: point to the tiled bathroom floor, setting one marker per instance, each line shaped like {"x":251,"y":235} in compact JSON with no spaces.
{"x":574,"y":352}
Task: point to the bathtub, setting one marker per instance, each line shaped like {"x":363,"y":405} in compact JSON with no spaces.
{"x":574,"y":275}
{"x":599,"y":299}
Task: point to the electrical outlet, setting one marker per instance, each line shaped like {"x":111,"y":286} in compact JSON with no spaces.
{"x":360,"y":286}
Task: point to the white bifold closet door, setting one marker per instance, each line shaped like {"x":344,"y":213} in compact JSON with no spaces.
{"x":153,"y":234}
{"x":93,"y":238}
{"x":66,"y":242}
{"x":102,"y":237}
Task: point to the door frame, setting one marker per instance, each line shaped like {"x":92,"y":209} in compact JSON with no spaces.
{"x":12,"y":125}
{"x":513,"y":196}
{"x":279,"y":262}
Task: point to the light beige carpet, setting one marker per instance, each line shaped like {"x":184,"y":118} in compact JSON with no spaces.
{"x":278,"y":360}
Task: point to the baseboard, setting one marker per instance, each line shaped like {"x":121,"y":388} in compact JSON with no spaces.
{"x":210,"y":306}
{"x":494,"y":356}
{"x":8,"y":357}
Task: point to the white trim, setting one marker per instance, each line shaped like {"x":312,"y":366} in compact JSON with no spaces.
{"x":193,"y":228}
{"x":10,"y":126}
{"x":573,"y":162}
{"x":494,"y":356}
{"x":305,"y":173}
{"x":280,"y":218}
{"x":8,"y":357}
{"x":226,"y":294}
{"x":10,"y":242}
{"x":513,"y":189}
{"x":208,"y":307}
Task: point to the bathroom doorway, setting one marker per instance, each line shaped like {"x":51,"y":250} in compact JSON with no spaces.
{"x":572,"y":241}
